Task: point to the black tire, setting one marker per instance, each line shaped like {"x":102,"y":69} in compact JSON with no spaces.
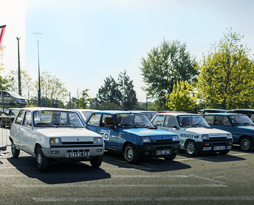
{"x":246,"y":144}
{"x":130,"y":154}
{"x":96,"y":161}
{"x":191,"y":148}
{"x":15,"y":152}
{"x":169,"y":158}
{"x":41,"y":160}
{"x":224,"y":152}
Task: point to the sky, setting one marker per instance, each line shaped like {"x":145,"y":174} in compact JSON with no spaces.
{"x":84,"y":41}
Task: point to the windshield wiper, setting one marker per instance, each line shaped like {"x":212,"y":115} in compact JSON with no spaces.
{"x":247,"y":123}
{"x":44,"y":125}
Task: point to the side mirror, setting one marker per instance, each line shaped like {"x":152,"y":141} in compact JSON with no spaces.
{"x":174,"y":126}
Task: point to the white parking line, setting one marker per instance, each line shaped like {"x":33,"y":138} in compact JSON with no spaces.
{"x":134,"y":199}
{"x":118,"y":186}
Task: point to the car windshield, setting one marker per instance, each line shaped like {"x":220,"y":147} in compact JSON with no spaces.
{"x":13,"y":111}
{"x":242,"y":120}
{"x":55,"y":118}
{"x":191,"y":121}
{"x":133,"y":120}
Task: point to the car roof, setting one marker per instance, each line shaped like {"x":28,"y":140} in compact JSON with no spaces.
{"x":115,"y":112}
{"x":242,"y":110}
{"x":143,"y":111}
{"x":176,"y":113}
{"x":226,"y":114}
{"x":44,"y":108}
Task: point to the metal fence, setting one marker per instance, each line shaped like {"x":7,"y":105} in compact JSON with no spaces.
{"x":5,"y":124}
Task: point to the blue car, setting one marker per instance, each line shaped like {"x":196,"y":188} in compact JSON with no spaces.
{"x":133,"y":135}
{"x":240,"y":126}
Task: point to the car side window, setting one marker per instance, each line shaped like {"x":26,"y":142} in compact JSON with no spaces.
{"x":107,"y":120}
{"x":170,"y":121}
{"x":20,"y":117}
{"x":28,"y":119}
{"x":209,"y":119}
{"x":94,"y":119}
{"x":158,"y":120}
{"x":222,"y":121}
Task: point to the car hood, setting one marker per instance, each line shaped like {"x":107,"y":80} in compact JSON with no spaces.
{"x":202,"y":130}
{"x":143,"y":132}
{"x":69,"y":133}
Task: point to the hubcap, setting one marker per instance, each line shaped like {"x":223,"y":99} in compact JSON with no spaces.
{"x":190,"y":148}
{"x":129,"y":154}
{"x":39,"y":159}
{"x":245,"y":144}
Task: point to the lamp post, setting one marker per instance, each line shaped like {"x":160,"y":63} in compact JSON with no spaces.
{"x":19,"y":79}
{"x":39,"y":78}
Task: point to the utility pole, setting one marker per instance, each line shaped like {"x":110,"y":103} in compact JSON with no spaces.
{"x":19,"y":79}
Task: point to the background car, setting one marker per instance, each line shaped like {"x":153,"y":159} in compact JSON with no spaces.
{"x":195,"y":135}
{"x":248,"y":112}
{"x":204,"y":111}
{"x":240,"y":125}
{"x":11,"y":98}
{"x":149,"y":114}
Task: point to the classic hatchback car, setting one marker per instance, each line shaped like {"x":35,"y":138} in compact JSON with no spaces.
{"x":133,"y":135}
{"x":196,"y":136}
{"x":241,"y":127}
{"x":54,"y":134}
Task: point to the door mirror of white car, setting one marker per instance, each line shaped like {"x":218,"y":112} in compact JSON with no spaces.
{"x":174,"y":126}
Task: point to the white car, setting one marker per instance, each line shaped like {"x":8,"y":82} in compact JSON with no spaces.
{"x":54,"y":134}
{"x":196,"y":136}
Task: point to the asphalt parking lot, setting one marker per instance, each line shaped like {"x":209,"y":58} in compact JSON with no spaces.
{"x":206,"y":179}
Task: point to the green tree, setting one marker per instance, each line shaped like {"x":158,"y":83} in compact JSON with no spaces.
{"x":126,"y":86}
{"x":51,"y":88}
{"x":227,"y":74}
{"x":164,"y":66}
{"x":3,"y":80}
{"x":182,"y":97}
{"x":84,"y":99}
{"x":110,"y":93}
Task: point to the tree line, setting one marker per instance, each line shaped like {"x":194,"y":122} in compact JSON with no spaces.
{"x":174,"y":80}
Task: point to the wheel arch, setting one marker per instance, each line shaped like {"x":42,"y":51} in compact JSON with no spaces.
{"x":239,"y":140}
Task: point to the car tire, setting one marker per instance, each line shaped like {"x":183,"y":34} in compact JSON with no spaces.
{"x":224,"y":152}
{"x":130,"y":154}
{"x":15,"y":152}
{"x":41,"y":160}
{"x":96,"y":161}
{"x":191,"y":148}
{"x":169,"y":158}
{"x":246,"y":144}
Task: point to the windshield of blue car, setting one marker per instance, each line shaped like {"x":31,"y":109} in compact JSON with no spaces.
{"x":242,"y":120}
{"x":191,"y":121}
{"x":53,"y":118}
{"x":133,"y":120}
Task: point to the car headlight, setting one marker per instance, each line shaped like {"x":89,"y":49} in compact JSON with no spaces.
{"x":55,"y":140}
{"x":146,"y":139}
{"x":229,"y":136}
{"x":175,"y":138}
{"x":205,"y":137}
{"x":98,"y":140}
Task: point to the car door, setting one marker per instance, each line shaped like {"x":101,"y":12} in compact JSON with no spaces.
{"x":108,"y":131}
{"x":17,"y":134}
{"x":223,"y":123}
{"x":27,"y":132}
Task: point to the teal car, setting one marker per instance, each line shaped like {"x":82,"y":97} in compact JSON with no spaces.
{"x":133,"y":135}
{"x":240,"y":126}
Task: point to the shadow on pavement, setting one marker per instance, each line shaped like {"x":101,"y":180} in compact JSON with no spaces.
{"x":59,"y":172}
{"x":149,"y":165}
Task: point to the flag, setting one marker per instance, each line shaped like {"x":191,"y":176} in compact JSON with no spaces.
{"x":2,"y":30}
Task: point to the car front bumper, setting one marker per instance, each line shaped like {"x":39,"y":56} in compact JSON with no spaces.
{"x":214,"y":146}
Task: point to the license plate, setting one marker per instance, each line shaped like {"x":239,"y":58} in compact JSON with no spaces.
{"x":78,"y":154}
{"x":163,"y":152}
{"x":219,"y":147}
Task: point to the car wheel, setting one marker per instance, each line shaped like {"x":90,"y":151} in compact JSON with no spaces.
{"x":42,"y":160}
{"x":96,"y":161}
{"x":15,"y":152}
{"x":191,"y":148}
{"x":224,"y":152}
{"x":130,"y":154}
{"x":246,"y":144}
{"x":170,"y":157}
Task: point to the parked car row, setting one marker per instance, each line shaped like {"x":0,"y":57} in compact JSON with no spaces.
{"x":51,"y":134}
